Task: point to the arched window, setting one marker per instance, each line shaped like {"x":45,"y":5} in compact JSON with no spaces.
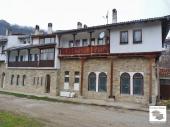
{"x":17,"y":83}
{"x":23,"y":80}
{"x":92,"y":82}
{"x":102,"y":82}
{"x":12,"y":79}
{"x":125,"y":83}
{"x":138,"y":84}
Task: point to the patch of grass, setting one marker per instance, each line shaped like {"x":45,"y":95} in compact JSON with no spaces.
{"x":165,"y":103}
{"x":8,"y":119}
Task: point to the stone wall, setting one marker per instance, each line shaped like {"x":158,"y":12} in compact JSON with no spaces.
{"x":120,"y":65}
{"x":35,"y":80}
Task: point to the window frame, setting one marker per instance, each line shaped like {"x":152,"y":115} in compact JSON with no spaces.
{"x":142,"y":89}
{"x":137,"y":42}
{"x":95,"y":76}
{"x":129,"y":91}
{"x":99,"y":80}
{"x":121,"y":42}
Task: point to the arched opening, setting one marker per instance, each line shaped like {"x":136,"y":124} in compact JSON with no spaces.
{"x":102,"y":82}
{"x":12,"y":79}
{"x":125,"y":83}
{"x":138,"y":84}
{"x":47,"y":86}
{"x":92,"y":82}
{"x":17,"y":83}
{"x":23,"y":80}
{"x":2,"y":80}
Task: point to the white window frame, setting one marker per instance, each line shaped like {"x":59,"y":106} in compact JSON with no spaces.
{"x":131,"y":81}
{"x":97,"y":79}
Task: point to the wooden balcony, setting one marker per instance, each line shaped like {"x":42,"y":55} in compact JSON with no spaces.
{"x":41,"y":63}
{"x":85,"y":51}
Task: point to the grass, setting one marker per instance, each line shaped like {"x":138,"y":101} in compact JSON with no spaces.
{"x":165,"y":103}
{"x":8,"y":119}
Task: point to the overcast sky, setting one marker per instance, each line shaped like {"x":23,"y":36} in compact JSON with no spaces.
{"x":64,"y":14}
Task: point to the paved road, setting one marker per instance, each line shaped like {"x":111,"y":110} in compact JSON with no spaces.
{"x":55,"y":114}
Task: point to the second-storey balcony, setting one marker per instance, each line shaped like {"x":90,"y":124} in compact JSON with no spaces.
{"x":85,"y":51}
{"x":41,"y":63}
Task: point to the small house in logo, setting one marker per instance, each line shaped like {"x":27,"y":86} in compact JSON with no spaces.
{"x":157,"y":113}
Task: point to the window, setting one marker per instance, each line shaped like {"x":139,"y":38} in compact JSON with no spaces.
{"x":137,"y":36}
{"x":3,"y":48}
{"x":47,"y":54}
{"x":21,"y":58}
{"x":12,"y":79}
{"x":124,"y":37}
{"x":125,"y":83}
{"x":93,"y":41}
{"x":138,"y":84}
{"x":41,"y":81}
{"x":164,"y":81}
{"x":102,"y":82}
{"x":71,"y":43}
{"x":37,"y":80}
{"x":23,"y":80}
{"x":92,"y":82}
{"x":66,"y":78}
{"x":17,"y":83}
{"x":84,"y":42}
{"x":16,"y":58}
{"x":35,"y":57}
{"x":100,"y":41}
{"x":77,"y":43}
{"x":42,"y":41}
{"x":77,"y":77}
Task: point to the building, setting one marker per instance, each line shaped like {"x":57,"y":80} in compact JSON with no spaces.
{"x":114,"y":61}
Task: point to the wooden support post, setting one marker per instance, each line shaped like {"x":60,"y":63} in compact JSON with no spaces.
{"x":28,"y":54}
{"x":82,"y":72}
{"x":111,"y":78}
{"x":150,"y":80}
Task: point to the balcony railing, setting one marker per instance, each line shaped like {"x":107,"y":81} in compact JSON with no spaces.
{"x":87,"y":50}
{"x":41,"y":63}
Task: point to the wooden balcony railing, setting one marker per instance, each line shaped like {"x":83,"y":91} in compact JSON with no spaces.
{"x":87,"y":50}
{"x":41,"y":63}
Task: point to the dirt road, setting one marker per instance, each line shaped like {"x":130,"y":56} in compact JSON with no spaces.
{"x":73,"y":115}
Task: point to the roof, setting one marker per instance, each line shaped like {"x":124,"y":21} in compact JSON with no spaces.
{"x":164,"y":72}
{"x":109,"y":26}
{"x":29,"y":46}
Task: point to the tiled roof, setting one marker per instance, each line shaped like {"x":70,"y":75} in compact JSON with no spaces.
{"x":163,"y":72}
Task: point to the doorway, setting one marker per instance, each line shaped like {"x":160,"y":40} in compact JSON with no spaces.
{"x":47,"y":86}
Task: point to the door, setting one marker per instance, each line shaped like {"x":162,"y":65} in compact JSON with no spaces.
{"x":47,"y":89}
{"x":165,"y":88}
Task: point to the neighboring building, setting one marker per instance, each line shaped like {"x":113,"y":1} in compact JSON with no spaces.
{"x":116,"y":60}
{"x":164,"y":74}
{"x":3,"y":43}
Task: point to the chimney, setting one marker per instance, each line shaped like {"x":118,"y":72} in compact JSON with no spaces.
{"x":79,"y":25}
{"x":85,"y":26}
{"x":37,"y":30}
{"x":50,"y":28}
{"x":114,"y":16}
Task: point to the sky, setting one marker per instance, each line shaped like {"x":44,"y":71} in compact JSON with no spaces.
{"x":64,"y":14}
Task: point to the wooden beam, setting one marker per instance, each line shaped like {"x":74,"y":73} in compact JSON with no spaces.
{"x":150,"y":80}
{"x":111,"y":78}
{"x":82,"y":74}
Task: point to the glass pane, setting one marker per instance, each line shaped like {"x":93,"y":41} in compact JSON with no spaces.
{"x":66,"y":79}
{"x":77,"y":80}
{"x":66,"y":72}
{"x":138,"y":84}
{"x":92,"y":82}
{"x":85,"y":43}
{"x":125,"y":83}
{"x":102,"y":82}
{"x":124,"y":36}
{"x":137,"y":36}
